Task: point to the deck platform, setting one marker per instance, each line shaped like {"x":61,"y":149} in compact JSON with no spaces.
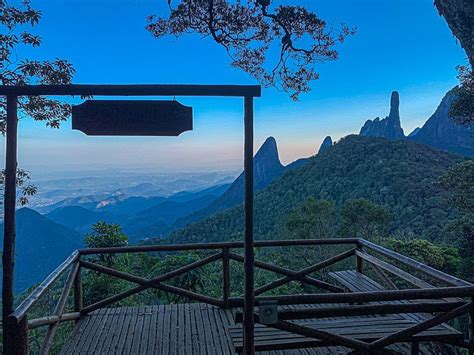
{"x":191,"y":328}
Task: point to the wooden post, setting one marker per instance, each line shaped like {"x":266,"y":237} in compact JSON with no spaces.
{"x":359,"y":262}
{"x":249,"y":299}
{"x":225,"y":276}
{"x":471,"y":328}
{"x":8,"y":258}
{"x":78,"y":292}
{"x":19,"y":336}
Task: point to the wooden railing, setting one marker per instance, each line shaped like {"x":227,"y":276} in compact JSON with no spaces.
{"x":449,"y":299}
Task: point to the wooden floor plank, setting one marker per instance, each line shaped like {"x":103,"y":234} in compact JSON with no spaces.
{"x":202,"y":330}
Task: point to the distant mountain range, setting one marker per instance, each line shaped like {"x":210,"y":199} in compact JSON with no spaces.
{"x":439,"y":131}
{"x":41,"y":245}
{"x":139,"y":217}
{"x":398,"y":174}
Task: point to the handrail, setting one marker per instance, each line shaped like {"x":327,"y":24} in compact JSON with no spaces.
{"x":357,"y":297}
{"x":29,"y":301}
{"x":217,"y":245}
{"x":428,"y":270}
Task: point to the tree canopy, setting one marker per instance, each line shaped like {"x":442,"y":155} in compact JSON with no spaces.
{"x":18,"y":20}
{"x":278,"y":45}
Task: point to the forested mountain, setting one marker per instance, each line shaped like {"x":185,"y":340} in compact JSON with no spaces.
{"x":441,"y":132}
{"x":41,"y":246}
{"x":398,"y":174}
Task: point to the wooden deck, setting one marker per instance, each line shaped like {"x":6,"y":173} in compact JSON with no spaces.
{"x":193,"y":328}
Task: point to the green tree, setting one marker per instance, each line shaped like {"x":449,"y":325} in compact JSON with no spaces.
{"x":17,"y":20}
{"x":249,"y":31}
{"x":443,"y":258}
{"x":364,"y":219}
{"x":105,"y":235}
{"x":458,"y":183}
{"x":99,"y":286}
{"x":315,"y":219}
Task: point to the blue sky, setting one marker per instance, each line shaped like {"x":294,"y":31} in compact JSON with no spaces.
{"x":401,"y":45}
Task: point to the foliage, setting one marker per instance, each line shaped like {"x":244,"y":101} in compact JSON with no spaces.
{"x":459,"y":183}
{"x":16,"y":20}
{"x":364,"y":219}
{"x":295,"y":36}
{"x":22,"y":179}
{"x":105,"y":235}
{"x":99,"y":286}
{"x":462,"y":108}
{"x":442,"y":258}
{"x":315,"y":219}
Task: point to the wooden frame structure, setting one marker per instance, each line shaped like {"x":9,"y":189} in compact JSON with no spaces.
{"x":13,"y":341}
{"x":452,"y":300}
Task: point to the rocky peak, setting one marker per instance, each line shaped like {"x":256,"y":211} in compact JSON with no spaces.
{"x":441,"y":132}
{"x":327,"y":143}
{"x":390,"y":126}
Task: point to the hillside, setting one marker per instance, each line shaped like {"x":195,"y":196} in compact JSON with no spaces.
{"x":395,"y":173}
{"x":439,"y":131}
{"x":41,"y":245}
{"x":267,"y":167}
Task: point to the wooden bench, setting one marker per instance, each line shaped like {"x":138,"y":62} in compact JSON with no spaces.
{"x":354,"y":281}
{"x":365,"y":328}
{"x":360,"y":328}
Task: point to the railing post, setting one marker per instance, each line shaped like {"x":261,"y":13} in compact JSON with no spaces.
{"x":225,"y":276}
{"x":78,"y":292}
{"x":9,"y":228}
{"x":359,"y":261}
{"x":249,"y":298}
{"x":19,"y":336}
{"x":471,"y":328}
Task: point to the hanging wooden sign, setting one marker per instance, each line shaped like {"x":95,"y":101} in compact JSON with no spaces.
{"x":132,"y":118}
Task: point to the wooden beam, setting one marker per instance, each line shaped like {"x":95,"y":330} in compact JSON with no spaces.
{"x":394,"y":270}
{"x":249,"y":253}
{"x":378,"y":296}
{"x":28,"y":302}
{"x":368,"y":309}
{"x":78,"y":298}
{"x":290,"y":276}
{"x":40,"y":322}
{"x":427,"y":270}
{"x":151,"y":284}
{"x":112,"y":299}
{"x":58,"y":310}
{"x":219,"y":245}
{"x":406,"y":334}
{"x":319,"y":334}
{"x":10,"y":340}
{"x":300,"y":275}
{"x":225,"y":275}
{"x":132,"y":90}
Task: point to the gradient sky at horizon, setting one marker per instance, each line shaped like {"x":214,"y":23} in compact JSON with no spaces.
{"x":401,"y":45}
